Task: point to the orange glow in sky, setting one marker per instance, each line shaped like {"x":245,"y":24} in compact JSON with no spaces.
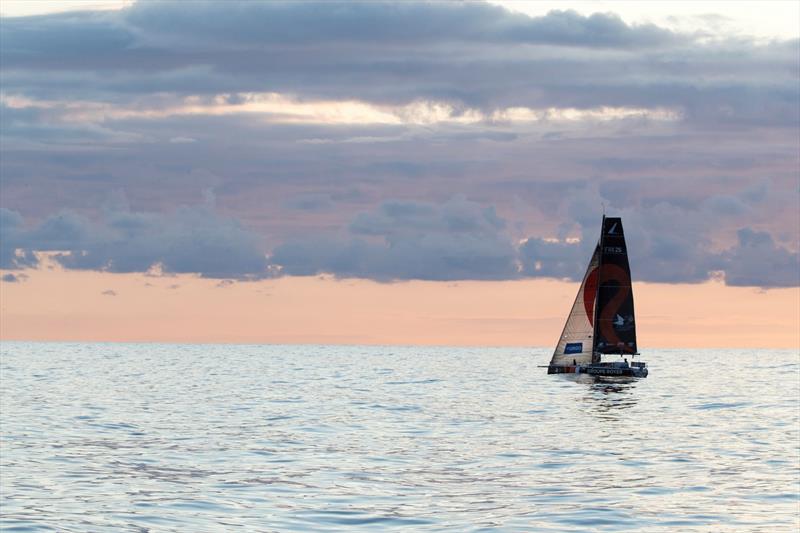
{"x":53,"y":304}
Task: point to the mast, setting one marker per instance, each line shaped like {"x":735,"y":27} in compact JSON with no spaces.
{"x":595,"y":355}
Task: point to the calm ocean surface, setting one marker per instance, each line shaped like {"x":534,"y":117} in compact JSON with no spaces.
{"x":148,"y":437}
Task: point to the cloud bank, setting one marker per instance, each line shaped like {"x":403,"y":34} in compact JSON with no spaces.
{"x":190,"y":240}
{"x":409,"y":240}
{"x":394,"y":141}
{"x":400,"y":240}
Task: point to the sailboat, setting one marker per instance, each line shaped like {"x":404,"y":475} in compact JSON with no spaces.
{"x":601,"y":322}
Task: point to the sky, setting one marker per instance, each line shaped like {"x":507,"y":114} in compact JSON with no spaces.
{"x":410,"y":173}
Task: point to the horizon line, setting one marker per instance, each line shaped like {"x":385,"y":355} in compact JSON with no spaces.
{"x":368,"y":344}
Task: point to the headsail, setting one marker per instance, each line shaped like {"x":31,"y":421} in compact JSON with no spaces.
{"x":575,"y":343}
{"x":615,"y":330}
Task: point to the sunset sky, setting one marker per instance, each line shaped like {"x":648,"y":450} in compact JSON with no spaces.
{"x":396,"y":173}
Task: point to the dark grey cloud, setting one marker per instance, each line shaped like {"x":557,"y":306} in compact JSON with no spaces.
{"x":189,"y":240}
{"x":313,"y":201}
{"x":327,"y":23}
{"x":456,"y":216}
{"x":756,"y":260}
{"x":109,"y":292}
{"x":458,"y":239}
{"x":455,"y":240}
{"x":137,"y":32}
{"x":14,"y":278}
{"x":554,"y":259}
{"x":50,"y":38}
{"x":13,"y":240}
{"x":462,"y":240}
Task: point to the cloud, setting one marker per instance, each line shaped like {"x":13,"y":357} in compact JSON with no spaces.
{"x":754,"y":261}
{"x":400,"y":240}
{"x":14,"y":278}
{"x":12,"y":240}
{"x":314,"y":201}
{"x":757,"y":261}
{"x":189,"y":240}
{"x":458,"y":239}
{"x":338,"y":132}
{"x":246,"y":25}
{"x":182,"y":140}
{"x":109,"y":292}
{"x":669,"y":243}
{"x":467,"y":54}
{"x":554,"y":259}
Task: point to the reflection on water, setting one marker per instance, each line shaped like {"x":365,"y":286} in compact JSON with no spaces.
{"x":212,"y":438}
{"x":610,"y":397}
{"x":605,"y":396}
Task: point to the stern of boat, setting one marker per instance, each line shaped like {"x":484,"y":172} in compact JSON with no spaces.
{"x":563,"y":369}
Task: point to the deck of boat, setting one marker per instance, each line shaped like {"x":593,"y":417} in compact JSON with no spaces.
{"x":636,"y":369}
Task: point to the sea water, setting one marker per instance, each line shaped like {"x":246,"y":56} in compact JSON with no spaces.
{"x":156,"y":437}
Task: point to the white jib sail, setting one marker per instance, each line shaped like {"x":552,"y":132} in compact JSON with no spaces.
{"x":575,"y":343}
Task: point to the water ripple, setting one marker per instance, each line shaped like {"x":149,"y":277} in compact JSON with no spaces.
{"x":134,"y":437}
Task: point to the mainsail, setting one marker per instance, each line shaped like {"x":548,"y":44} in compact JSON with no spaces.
{"x":575,"y":343}
{"x":615,"y":328}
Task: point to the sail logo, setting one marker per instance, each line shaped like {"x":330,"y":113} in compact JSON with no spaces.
{"x":622,"y":323}
{"x":573,"y":347}
{"x":613,"y":229}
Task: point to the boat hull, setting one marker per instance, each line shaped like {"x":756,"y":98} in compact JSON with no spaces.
{"x":600,"y":370}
